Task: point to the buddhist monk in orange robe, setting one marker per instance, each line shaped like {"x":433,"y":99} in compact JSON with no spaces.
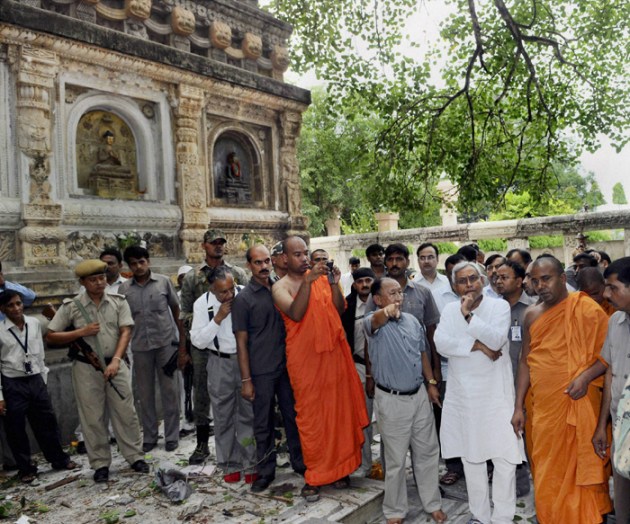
{"x":563,"y":337}
{"x":591,"y":282}
{"x":329,"y":399}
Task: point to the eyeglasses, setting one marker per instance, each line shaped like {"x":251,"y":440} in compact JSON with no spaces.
{"x":467,"y":280}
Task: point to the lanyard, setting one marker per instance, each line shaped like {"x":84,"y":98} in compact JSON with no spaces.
{"x":24,"y":345}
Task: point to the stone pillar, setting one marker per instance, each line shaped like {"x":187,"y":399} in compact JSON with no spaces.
{"x":518,"y":243}
{"x":568,"y":246}
{"x":387,"y":222}
{"x":42,"y":242}
{"x":192,"y":188}
{"x":449,"y":196}
{"x":333,"y":227}
{"x":290,"y":124}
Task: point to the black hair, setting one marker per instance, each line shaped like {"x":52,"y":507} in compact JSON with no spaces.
{"x":374,"y":248}
{"x":6,"y":296}
{"x":519,"y":271}
{"x":602,"y":254}
{"x":112,"y":251}
{"x":621,"y":268}
{"x":524,"y":254}
{"x":454,"y":259}
{"x":426,"y":245}
{"x":468,"y":252}
{"x":492,"y":258}
{"x":219,"y":273}
{"x":354,"y":260}
{"x":591,"y":260}
{"x":136,"y":252}
{"x":376,"y":286}
{"x":396,"y":249}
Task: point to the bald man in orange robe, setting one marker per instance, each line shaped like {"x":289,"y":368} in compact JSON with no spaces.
{"x":329,"y":399}
{"x":564,"y":335}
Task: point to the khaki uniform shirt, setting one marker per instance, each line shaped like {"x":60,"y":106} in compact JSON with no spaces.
{"x":112,"y":313}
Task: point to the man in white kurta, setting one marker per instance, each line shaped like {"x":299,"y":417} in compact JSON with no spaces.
{"x":479,"y":404}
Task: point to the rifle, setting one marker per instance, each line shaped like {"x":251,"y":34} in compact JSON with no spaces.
{"x":89,"y":355}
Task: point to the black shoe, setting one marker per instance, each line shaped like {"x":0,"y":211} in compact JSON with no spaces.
{"x":210,"y":431}
{"x":171,"y":445}
{"x":81,"y":449}
{"x":261,"y":484}
{"x":101,"y":474}
{"x":185,"y":432}
{"x":148,"y":446}
{"x":140,"y":466}
{"x":9,"y":467}
{"x":200,"y":454}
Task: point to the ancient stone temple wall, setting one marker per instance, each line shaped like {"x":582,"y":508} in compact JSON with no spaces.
{"x":126,"y":120}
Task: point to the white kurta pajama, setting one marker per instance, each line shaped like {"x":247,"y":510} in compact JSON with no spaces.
{"x":479,"y":404}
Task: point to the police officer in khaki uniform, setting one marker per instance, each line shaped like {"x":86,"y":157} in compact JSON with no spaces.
{"x":104,"y":321}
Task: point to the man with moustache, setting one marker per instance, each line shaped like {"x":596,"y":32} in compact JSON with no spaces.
{"x":154,"y":306}
{"x":560,"y":361}
{"x":352,"y":321}
{"x":113,"y":259}
{"x":260,"y":343}
{"x":478,"y":405}
{"x":211,"y":331}
{"x":328,"y":395}
{"x":492,"y":264}
{"x":195,"y":284}
{"x":617,"y":358}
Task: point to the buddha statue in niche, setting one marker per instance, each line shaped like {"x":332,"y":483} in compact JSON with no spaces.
{"x":110,"y":177}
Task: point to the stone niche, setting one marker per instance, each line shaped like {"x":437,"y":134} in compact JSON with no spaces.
{"x":236,"y":170}
{"x":106,"y":156}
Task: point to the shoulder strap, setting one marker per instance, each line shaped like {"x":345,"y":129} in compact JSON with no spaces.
{"x":88,"y":319}
{"x":210,"y":317}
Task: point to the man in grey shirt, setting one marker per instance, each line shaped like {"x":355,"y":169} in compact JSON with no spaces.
{"x":155,"y":309}
{"x":397,"y":360}
{"x":616,"y":355}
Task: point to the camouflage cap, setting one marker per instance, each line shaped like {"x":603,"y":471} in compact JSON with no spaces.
{"x":214,"y":234}
{"x":277,"y":249}
{"x":90,"y":267}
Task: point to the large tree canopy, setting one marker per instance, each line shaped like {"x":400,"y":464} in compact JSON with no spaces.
{"x":522,"y":87}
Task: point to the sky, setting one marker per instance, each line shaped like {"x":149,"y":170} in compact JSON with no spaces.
{"x":608,"y":166}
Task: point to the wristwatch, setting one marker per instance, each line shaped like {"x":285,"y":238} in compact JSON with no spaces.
{"x":468,"y":317}
{"x":433,"y":381}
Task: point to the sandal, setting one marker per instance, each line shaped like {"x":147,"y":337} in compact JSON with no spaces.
{"x":449,"y":478}
{"x":310,"y":493}
{"x":26,"y":477}
{"x":68,"y":466}
{"x":343,"y":483}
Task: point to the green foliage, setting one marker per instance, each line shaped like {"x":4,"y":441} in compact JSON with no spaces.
{"x":618,"y":194}
{"x":110,"y":516}
{"x":490,"y":105}
{"x":545,"y":241}
{"x":599,"y":236}
{"x":446,"y":248}
{"x":493,"y":244}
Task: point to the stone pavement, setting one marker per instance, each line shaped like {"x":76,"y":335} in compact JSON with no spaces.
{"x":132,"y":497}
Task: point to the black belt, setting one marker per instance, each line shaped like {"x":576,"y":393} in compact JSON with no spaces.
{"x":358,"y":359}
{"x":222,"y":355}
{"x":394,"y":392}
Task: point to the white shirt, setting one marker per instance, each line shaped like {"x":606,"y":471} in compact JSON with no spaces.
{"x":113,"y":287}
{"x":480,"y":400}
{"x":440,"y":289}
{"x":203,"y":330}
{"x":13,"y":356}
{"x":489,"y":292}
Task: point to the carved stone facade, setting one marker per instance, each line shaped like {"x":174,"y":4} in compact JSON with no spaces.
{"x":159,"y":114}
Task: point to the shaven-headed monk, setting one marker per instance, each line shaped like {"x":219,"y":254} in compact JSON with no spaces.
{"x":591,"y":281}
{"x":329,"y":399}
{"x":563,"y":338}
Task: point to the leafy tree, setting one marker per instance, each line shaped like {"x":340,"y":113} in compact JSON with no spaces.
{"x":619,"y":195}
{"x":520,"y":77}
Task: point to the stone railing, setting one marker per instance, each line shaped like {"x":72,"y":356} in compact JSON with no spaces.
{"x":516,"y":232}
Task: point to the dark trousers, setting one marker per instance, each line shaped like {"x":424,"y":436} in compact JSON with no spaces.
{"x":27,"y":398}
{"x":267,"y":388}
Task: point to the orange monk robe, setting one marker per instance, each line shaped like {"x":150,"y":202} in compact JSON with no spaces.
{"x":571,"y":482}
{"x":607,"y":307}
{"x":329,"y":399}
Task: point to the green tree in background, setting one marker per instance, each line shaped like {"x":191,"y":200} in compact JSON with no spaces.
{"x":618,"y":194}
{"x":519,"y":78}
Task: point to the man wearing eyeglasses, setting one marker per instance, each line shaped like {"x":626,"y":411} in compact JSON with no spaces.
{"x":477,"y":410}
